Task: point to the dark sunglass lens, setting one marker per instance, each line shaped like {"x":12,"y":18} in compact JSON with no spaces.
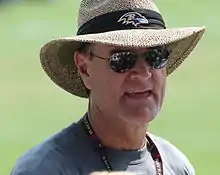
{"x":157,"y":58}
{"x":122,"y":62}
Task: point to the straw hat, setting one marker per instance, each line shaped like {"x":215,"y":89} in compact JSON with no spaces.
{"x":128,"y":23}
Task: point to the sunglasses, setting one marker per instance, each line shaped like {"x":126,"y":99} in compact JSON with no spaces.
{"x":120,"y":62}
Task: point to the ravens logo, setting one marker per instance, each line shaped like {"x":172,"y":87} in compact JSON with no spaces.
{"x":133,"y":18}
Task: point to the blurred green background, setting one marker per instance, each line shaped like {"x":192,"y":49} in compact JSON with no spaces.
{"x":32,"y":107}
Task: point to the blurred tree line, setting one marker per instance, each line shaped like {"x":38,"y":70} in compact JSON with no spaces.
{"x":11,"y":1}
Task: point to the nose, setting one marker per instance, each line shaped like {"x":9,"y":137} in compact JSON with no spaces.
{"x":141,"y":70}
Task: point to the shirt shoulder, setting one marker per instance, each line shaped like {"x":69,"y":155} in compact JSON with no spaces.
{"x":50,"y":156}
{"x":173,"y":159}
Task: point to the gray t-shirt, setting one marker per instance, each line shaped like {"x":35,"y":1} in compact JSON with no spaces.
{"x":70,"y":152}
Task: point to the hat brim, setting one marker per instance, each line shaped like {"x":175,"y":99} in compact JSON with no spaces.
{"x":57,"y":55}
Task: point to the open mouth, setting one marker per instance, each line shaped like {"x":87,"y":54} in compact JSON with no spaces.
{"x":139,"y":94}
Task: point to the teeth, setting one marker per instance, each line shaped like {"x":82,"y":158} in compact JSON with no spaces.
{"x":131,"y":91}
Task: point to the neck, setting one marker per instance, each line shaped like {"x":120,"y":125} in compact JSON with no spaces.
{"x":117,"y":134}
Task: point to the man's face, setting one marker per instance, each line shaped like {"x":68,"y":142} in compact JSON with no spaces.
{"x":134,"y":96}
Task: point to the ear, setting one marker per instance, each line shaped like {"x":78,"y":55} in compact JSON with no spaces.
{"x":82,"y":63}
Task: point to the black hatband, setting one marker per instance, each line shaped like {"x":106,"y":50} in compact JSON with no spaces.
{"x":133,"y":19}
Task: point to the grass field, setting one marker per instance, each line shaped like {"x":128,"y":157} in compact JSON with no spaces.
{"x":32,"y":107}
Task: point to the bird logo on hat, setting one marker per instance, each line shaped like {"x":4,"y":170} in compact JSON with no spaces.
{"x":133,"y":18}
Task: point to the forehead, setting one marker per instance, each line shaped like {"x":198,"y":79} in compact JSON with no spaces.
{"x":111,"y":48}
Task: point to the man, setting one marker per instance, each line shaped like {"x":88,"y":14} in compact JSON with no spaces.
{"x":112,"y":173}
{"x":119,"y":61}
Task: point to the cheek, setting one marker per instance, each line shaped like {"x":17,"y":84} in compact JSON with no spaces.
{"x":105,"y":83}
{"x":163,"y":89}
{"x":160,"y":83}
{"x":160,"y":78}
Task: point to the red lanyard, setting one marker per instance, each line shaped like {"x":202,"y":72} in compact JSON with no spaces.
{"x":150,"y":146}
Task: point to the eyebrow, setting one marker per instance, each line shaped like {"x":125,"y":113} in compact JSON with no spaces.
{"x":118,"y":50}
{"x":124,"y":50}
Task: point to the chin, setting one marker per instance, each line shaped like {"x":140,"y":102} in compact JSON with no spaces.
{"x":138,"y":117}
